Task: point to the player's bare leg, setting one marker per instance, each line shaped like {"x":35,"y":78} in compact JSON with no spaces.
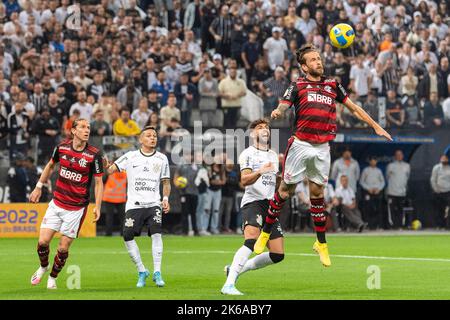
{"x":319,"y":219}
{"x":60,"y":260}
{"x":43,"y":250}
{"x":284,"y":192}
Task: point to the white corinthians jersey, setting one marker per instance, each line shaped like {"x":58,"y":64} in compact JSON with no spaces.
{"x":144,"y":175}
{"x":264,"y":188}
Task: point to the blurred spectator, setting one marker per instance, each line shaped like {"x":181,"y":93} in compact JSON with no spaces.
{"x":56,"y":109}
{"x":19,"y":125}
{"x":220,"y":29}
{"x":372,"y":183}
{"x":360,"y":78}
{"x":397,"y":175}
{"x":408,"y":83}
{"x":39,"y":99}
{"x":331,"y":205}
{"x":48,"y":130}
{"x":124,"y":126}
{"x":303,"y":208}
{"x":444,"y":73}
{"x":446,"y":110}
{"x":99,"y":127}
{"x":433,"y":113}
{"x":395,"y":114}
{"x":129,"y":95}
{"x":172,"y":71}
{"x":371,"y":106}
{"x":97,"y":88}
{"x":162,"y":87}
{"x":169,"y":112}
{"x":429,"y":83}
{"x":217,"y":178}
{"x":342,"y":69}
{"x":68,"y":125}
{"x":141,"y":114}
{"x":153,"y":104}
{"x":208,"y":88}
{"x":412,"y":112}
{"x":187,"y":99}
{"x":347,"y":199}
{"x":251,"y":50}
{"x":440,"y":183}
{"x":229,"y":190}
{"x":231,"y":91}
{"x":33,"y":173}
{"x":106,"y":104}
{"x":347,"y":166}
{"x":273,"y":89}
{"x":202,"y":183}
{"x":189,"y":194}
{"x":85,"y":108}
{"x":275,"y":48}
{"x":17,"y":179}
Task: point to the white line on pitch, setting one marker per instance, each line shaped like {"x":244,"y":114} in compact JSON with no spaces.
{"x":345,"y":256}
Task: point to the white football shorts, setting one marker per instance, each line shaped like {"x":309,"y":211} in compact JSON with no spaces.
{"x":64,"y":221}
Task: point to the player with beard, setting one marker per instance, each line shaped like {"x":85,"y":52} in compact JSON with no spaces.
{"x":78,"y":163}
{"x":308,"y":152}
{"x":259,"y":168}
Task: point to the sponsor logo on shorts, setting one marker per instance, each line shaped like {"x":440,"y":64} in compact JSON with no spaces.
{"x":70,"y":175}
{"x":129,"y":222}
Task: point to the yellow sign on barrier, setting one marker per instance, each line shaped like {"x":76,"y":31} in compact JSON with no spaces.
{"x":23,"y":220}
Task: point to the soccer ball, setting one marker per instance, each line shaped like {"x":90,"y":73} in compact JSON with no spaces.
{"x":181,"y":182}
{"x":416,"y":224}
{"x":342,"y":35}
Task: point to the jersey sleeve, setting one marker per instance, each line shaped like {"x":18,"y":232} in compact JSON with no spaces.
{"x":98,"y":164}
{"x":122,"y":162}
{"x":341,"y":93}
{"x":245,"y":162}
{"x":165,"y":170}
{"x":290,"y":94}
{"x":55,"y":155}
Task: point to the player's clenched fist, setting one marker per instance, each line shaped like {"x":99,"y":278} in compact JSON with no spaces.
{"x":165,"y":206}
{"x":276,"y":114}
{"x":35,"y":195}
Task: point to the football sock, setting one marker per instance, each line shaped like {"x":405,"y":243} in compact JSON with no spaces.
{"x":239,"y":260}
{"x":157,"y":249}
{"x":262,"y":260}
{"x":43,"y":252}
{"x":135,"y":255}
{"x":318,"y":215}
{"x":59,"y":262}
{"x":275,"y":206}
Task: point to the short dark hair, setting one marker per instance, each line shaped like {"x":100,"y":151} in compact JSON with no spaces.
{"x":149,"y":128}
{"x":123,"y":110}
{"x":307,"y":48}
{"x":256,"y":123}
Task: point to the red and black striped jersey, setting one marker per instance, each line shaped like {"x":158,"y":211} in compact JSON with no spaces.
{"x":76,"y":169}
{"x":315,"y":107}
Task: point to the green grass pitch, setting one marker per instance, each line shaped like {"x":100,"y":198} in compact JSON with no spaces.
{"x":411,"y":267}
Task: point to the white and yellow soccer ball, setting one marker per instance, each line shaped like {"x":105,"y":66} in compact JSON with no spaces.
{"x":416,"y":224}
{"x":181,"y":182}
{"x":342,"y":35}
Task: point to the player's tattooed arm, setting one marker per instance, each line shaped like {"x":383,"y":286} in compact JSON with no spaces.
{"x":279,"y":111}
{"x":46,"y":174}
{"x":98,"y":197}
{"x":166,"y":193}
{"x":249,"y":177}
{"x":362,"y":115}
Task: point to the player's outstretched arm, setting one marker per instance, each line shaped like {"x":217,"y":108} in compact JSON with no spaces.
{"x":279,"y":111}
{"x":46,"y":173}
{"x":98,"y":197}
{"x":362,"y":115}
{"x":166,"y":193}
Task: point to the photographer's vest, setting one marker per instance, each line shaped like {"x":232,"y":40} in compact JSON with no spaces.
{"x":115,"y":190}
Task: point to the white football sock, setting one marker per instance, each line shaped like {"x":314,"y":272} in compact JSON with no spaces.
{"x":135,"y":255}
{"x":239,"y":260}
{"x":257,"y":262}
{"x":157,"y":250}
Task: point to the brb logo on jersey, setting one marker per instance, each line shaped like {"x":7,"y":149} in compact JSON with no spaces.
{"x":70,"y":175}
{"x":315,"y":97}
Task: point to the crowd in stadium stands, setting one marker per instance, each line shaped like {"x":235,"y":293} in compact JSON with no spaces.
{"x":133,"y":63}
